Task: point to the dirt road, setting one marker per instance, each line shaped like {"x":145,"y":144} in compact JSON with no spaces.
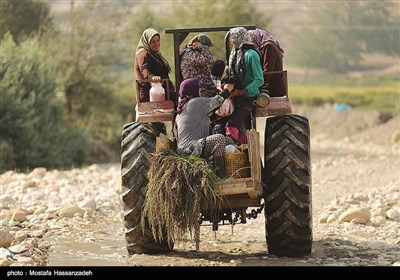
{"x":355,"y":164}
{"x":349,"y":170}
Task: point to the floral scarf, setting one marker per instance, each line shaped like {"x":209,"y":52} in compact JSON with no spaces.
{"x":201,"y":38}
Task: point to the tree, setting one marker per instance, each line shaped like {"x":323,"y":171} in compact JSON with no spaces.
{"x":224,"y":13}
{"x":142,"y":19}
{"x":24,"y":18}
{"x":85,"y":55}
{"x":91,"y":56}
{"x":186,"y":14}
{"x":342,"y":31}
{"x":33,"y":132}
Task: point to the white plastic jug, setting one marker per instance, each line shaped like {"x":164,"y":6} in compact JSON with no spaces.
{"x":157,"y":92}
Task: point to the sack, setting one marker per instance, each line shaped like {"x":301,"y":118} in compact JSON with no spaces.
{"x":226,"y":108}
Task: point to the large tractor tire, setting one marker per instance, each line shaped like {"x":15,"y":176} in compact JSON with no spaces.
{"x":138,"y":142}
{"x":287,"y":178}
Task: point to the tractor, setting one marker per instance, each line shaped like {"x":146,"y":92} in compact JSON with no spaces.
{"x":278,"y":184}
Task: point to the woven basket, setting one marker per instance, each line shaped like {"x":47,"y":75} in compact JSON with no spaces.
{"x":237,"y":165}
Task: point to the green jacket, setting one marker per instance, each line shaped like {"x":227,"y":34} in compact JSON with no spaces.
{"x":253,"y":78}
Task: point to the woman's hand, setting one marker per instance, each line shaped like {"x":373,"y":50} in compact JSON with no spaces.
{"x":219,"y":85}
{"x":156,"y":79}
{"x":230,"y":87}
{"x":196,"y":46}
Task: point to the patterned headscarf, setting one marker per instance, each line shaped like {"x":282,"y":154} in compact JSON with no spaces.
{"x":203,"y":39}
{"x":189,"y":89}
{"x":144,"y":45}
{"x":241,"y":41}
{"x":239,"y":36}
{"x":259,"y":37}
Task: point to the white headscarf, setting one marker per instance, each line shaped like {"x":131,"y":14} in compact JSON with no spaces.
{"x":144,"y":42}
{"x":240,"y":36}
{"x":144,"y":45}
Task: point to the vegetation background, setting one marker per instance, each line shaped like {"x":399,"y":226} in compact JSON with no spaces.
{"x":67,"y":84}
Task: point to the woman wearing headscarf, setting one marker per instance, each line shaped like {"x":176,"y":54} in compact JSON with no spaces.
{"x":244,"y":69}
{"x":193,"y":124}
{"x":271,"y":60}
{"x":196,"y":62}
{"x":150,"y":65}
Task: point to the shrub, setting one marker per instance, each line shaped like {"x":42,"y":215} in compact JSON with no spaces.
{"x":33,"y":131}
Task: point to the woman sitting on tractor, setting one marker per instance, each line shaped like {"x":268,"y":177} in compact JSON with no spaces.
{"x":151,"y":66}
{"x":192,"y":124}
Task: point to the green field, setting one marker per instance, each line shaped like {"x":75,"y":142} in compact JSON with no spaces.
{"x":377,"y":97}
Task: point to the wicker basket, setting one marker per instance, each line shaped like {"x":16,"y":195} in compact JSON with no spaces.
{"x":237,"y":165}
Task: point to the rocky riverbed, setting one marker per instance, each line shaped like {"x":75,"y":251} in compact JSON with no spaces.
{"x":74,"y":217}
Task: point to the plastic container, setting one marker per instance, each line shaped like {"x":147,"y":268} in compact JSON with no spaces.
{"x":231,"y":149}
{"x":157,"y":92}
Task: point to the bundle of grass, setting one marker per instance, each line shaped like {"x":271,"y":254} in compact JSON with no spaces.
{"x":178,"y":187}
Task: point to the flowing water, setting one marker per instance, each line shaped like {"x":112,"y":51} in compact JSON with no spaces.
{"x":102,"y":250}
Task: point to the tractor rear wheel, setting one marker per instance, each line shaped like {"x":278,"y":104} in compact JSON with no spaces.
{"x":287,"y":178}
{"x":138,"y":142}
